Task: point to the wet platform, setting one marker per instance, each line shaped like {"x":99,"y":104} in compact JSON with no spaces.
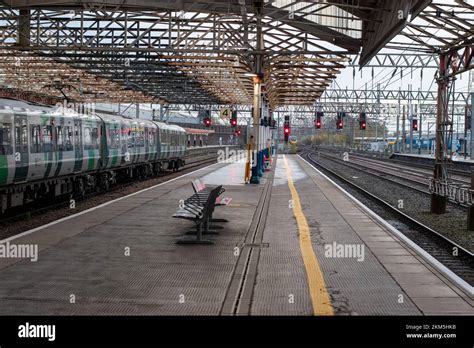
{"x":272,"y":258}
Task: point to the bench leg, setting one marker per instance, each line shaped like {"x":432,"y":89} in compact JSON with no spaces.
{"x":198,"y":239}
{"x":217,"y":220}
{"x":206,"y":231}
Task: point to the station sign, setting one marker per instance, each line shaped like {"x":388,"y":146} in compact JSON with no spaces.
{"x":226,"y":112}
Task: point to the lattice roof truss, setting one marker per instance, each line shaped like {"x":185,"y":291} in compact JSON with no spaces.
{"x":203,"y":52}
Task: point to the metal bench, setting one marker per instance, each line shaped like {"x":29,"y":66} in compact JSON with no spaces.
{"x":203,"y":191}
{"x":200,"y":188}
{"x":200,"y":212}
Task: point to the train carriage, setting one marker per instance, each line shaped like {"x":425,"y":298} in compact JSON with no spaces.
{"x":47,"y":152}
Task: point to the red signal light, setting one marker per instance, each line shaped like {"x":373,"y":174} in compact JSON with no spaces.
{"x":287,"y":130}
{"x":233,"y":122}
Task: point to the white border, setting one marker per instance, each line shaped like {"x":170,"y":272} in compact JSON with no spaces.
{"x":462,"y":284}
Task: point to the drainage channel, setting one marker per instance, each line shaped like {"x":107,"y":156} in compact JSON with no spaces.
{"x":238,"y":298}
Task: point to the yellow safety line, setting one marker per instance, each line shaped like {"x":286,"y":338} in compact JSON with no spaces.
{"x":317,"y":287}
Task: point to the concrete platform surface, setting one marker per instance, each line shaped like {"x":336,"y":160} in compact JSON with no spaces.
{"x":366,"y":270}
{"x":122,"y":258}
{"x":316,"y":253}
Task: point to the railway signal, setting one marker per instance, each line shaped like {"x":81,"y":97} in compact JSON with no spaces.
{"x":317,"y":122}
{"x":414,"y":125}
{"x":207,"y":121}
{"x":233,"y":119}
{"x":286,"y":128}
{"x":362,"y":121}
{"x":286,"y":131}
{"x":340,"y":120}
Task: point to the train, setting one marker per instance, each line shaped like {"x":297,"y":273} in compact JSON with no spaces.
{"x":47,"y":152}
{"x":293,"y":140}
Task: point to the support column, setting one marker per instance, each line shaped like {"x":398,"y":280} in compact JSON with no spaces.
{"x":404,"y":133}
{"x":470,"y":213}
{"x":397,"y":134}
{"x":24,"y":28}
{"x":438,"y":203}
{"x":472,"y":128}
{"x":257,"y":103}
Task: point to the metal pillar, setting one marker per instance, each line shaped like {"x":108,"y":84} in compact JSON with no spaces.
{"x":472,"y":126}
{"x":162,"y":110}
{"x":397,"y":146}
{"x":24,"y":26}
{"x":420,"y":125}
{"x":404,"y":133}
{"x":470,"y":213}
{"x":257,"y":102}
{"x":410,"y":124}
{"x":438,"y":203}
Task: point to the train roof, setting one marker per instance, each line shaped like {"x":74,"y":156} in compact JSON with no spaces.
{"x":24,"y":106}
{"x":174,"y":127}
{"x":20,"y":105}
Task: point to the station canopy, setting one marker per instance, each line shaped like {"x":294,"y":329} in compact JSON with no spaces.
{"x":204,"y":52}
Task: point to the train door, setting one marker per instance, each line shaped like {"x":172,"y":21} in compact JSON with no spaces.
{"x":37,"y":158}
{"x":21,"y":153}
{"x":78,"y":147}
{"x":158,"y":142}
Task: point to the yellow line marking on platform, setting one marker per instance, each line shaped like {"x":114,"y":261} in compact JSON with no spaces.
{"x":317,"y":287}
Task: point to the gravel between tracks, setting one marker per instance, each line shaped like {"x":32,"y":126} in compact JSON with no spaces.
{"x":452,"y":224}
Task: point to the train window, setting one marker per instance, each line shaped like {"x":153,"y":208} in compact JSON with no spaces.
{"x":114,"y":138}
{"x":139,"y":137}
{"x":77,"y":135}
{"x":35,"y":139}
{"x":5,"y":139}
{"x":95,"y":138}
{"x":21,"y":138}
{"x":151,"y":137}
{"x":147,"y":137}
{"x":87,"y":138}
{"x":60,"y":138}
{"x":47,"y":138}
{"x":67,"y":134}
{"x":130,"y":138}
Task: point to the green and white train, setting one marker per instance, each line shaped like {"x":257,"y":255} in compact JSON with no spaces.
{"x":46,"y":153}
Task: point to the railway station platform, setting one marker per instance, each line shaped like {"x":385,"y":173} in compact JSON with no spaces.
{"x":294,"y":245}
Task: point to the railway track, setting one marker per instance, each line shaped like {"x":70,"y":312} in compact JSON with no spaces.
{"x":459,"y":177}
{"x":458,"y":174}
{"x":433,"y":242}
{"x":401,"y":175}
